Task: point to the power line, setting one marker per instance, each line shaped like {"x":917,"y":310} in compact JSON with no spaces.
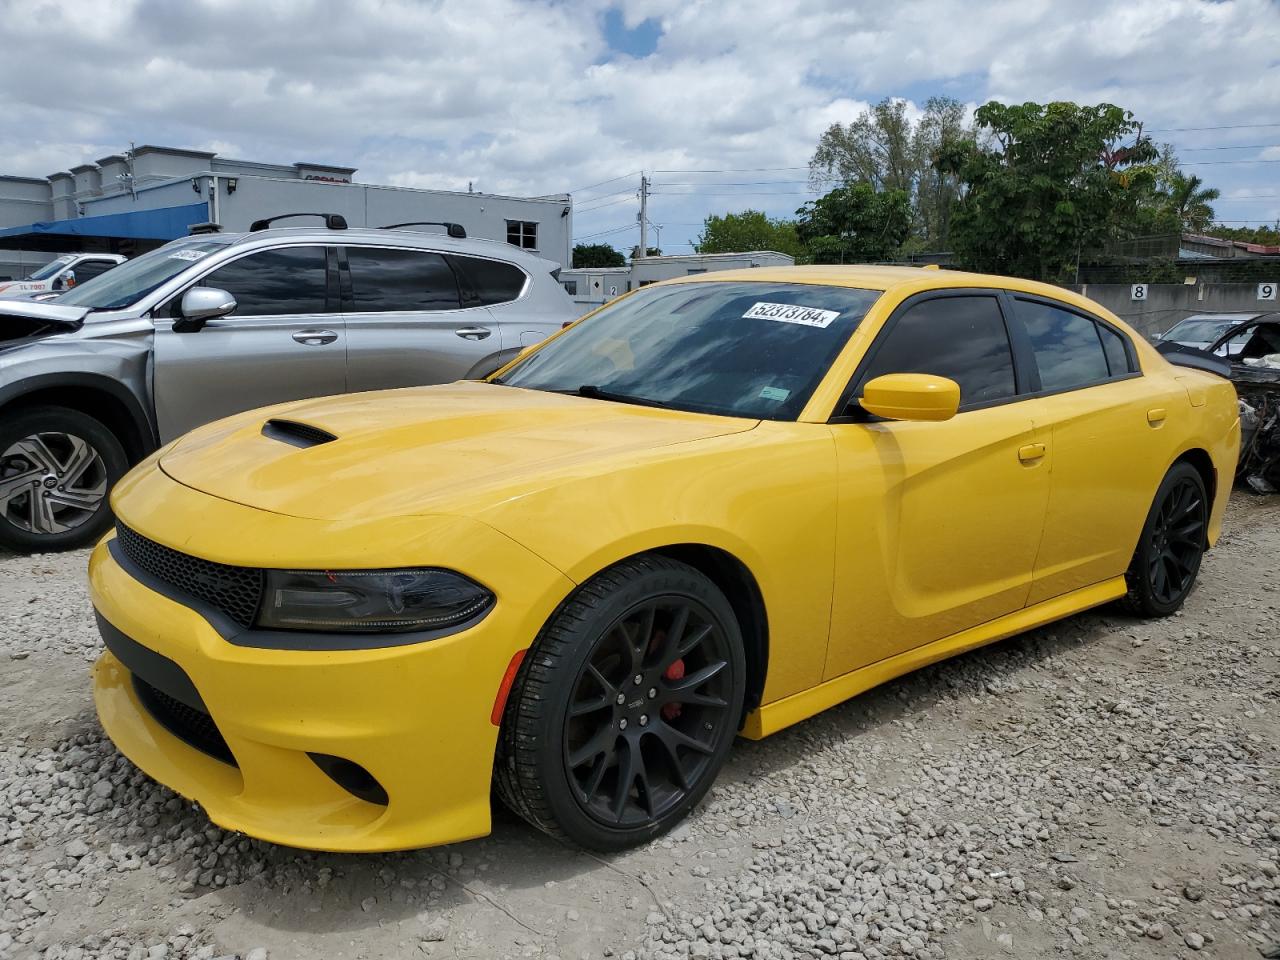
{"x":603,"y":182}
{"x":1213,"y":163}
{"x":605,"y":233}
{"x":609,"y":203}
{"x":1250,"y":146}
{"x":736,"y":170}
{"x":1230,"y":126}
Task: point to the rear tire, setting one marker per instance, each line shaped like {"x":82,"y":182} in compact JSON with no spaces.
{"x":625,"y":706}
{"x":1173,"y":540}
{"x":57,"y":466}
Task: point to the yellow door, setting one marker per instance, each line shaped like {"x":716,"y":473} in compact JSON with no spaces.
{"x":1106,"y":428}
{"x":939,"y":523}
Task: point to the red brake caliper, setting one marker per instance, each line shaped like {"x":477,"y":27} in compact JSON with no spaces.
{"x":674,"y":672}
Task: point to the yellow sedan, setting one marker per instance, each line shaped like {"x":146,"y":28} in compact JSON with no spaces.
{"x":714,"y":507}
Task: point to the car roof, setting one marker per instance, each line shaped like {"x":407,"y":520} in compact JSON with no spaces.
{"x":878,"y":277}
{"x":1222,"y":317}
{"x":495,"y":249}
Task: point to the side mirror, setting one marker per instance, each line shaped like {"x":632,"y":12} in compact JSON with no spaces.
{"x":911,"y":396}
{"x":200,"y":305}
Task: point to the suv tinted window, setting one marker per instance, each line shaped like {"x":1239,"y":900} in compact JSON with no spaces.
{"x":486,"y":282}
{"x":88,"y":269}
{"x":963,"y":338}
{"x":1067,"y":346}
{"x":416,"y":280}
{"x":270,"y":282}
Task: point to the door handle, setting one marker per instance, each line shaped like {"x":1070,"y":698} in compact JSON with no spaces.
{"x":473,"y":333}
{"x":1156,"y":416}
{"x":1031,"y":452}
{"x":314,"y":338}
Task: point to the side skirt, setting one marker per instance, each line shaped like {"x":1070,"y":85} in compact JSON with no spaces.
{"x":781,"y":714}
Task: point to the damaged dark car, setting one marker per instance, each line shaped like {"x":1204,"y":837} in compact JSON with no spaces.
{"x":1252,"y":351}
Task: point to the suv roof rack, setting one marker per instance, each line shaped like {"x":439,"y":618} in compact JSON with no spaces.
{"x":334,"y":221}
{"x":455,"y":230}
{"x":207,"y":227}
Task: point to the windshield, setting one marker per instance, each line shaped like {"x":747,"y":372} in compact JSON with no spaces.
{"x":51,"y":269}
{"x":131,"y":281}
{"x":745,"y":349}
{"x":1199,"y":331}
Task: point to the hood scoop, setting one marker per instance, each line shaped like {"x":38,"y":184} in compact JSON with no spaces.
{"x":296,"y":434}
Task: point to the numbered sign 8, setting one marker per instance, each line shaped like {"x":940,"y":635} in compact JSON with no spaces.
{"x":1267,"y":291}
{"x":1138,"y":291}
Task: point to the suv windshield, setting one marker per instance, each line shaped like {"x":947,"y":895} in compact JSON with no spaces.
{"x":131,"y":281}
{"x":51,"y":269}
{"x":745,"y":349}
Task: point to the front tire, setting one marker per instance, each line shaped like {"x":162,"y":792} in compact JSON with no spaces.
{"x":57,"y":466}
{"x":1171,"y":546}
{"x":625,"y":706}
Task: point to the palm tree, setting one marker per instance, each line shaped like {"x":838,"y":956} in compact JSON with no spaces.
{"x":1190,"y":199}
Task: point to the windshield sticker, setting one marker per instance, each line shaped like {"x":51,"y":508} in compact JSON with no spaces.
{"x":187,"y":254}
{"x":774,"y":393}
{"x":792,"y":313}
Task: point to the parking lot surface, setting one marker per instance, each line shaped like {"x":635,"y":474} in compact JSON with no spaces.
{"x":1102,"y":787}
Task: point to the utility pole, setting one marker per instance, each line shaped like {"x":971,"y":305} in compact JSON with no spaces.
{"x":644,"y":217}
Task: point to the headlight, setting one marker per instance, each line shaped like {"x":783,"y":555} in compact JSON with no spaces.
{"x":370,"y":601}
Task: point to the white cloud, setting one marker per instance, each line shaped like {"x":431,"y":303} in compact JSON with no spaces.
{"x":524,"y":97}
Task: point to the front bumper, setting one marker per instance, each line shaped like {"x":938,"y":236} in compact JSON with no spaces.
{"x":416,"y":717}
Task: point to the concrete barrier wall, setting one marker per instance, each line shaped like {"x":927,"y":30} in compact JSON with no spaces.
{"x":1167,"y":303}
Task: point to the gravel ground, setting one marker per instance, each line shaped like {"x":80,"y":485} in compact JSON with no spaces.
{"x":1103,"y":787}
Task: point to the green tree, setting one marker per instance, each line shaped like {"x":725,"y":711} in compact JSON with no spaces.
{"x":1049,"y":182}
{"x":748,"y":230}
{"x":1268,"y":236}
{"x":596,"y":255}
{"x":1190,"y":200}
{"x":884,"y":148}
{"x":854,"y":224}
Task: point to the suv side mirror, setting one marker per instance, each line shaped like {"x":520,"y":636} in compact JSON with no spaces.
{"x":200,"y":305}
{"x":911,"y":396}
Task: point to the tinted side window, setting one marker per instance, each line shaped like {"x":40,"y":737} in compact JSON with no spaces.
{"x":413,"y":280}
{"x":88,"y":269}
{"x":1067,"y":346}
{"x":1113,"y":347}
{"x":486,"y":282}
{"x":963,"y":338}
{"x":290,"y":280}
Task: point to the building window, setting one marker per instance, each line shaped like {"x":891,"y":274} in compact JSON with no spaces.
{"x":570,"y":287}
{"x":522,"y":233}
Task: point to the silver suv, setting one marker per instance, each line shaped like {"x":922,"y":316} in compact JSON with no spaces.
{"x":213,"y":324}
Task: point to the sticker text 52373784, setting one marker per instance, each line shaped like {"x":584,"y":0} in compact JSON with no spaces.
{"x":792,"y":313}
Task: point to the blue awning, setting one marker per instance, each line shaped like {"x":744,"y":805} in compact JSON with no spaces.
{"x":165,"y":223}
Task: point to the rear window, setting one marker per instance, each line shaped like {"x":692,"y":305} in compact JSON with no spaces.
{"x":1068,"y":347}
{"x":385,"y":280}
{"x":487,"y":282}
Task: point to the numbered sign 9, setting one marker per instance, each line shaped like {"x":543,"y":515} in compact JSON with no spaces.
{"x":1138,"y":291}
{"x":1267,"y":291}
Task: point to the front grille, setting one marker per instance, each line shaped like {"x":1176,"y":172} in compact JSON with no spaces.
{"x":236,"y":591}
{"x":192,"y":726}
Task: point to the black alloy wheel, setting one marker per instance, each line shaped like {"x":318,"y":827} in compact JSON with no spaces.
{"x":625,"y":707}
{"x":1172,"y":544}
{"x":645,"y":710}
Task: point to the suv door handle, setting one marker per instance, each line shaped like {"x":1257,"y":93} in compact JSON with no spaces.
{"x":473,"y":333}
{"x":314,"y":338}
{"x":1031,"y":452}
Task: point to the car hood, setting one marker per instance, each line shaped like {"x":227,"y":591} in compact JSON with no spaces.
{"x":22,"y":311}
{"x":457,"y":449}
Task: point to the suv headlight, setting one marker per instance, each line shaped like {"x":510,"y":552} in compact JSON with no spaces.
{"x":370,"y":601}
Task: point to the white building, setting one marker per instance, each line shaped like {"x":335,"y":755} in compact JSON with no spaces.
{"x":132,"y":203}
{"x":592,"y":287}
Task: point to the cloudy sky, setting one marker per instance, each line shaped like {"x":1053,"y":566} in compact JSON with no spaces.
{"x":721,"y":103}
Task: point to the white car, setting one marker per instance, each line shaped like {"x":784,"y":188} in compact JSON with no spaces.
{"x":1202,"y":329}
{"x":60,"y":275}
